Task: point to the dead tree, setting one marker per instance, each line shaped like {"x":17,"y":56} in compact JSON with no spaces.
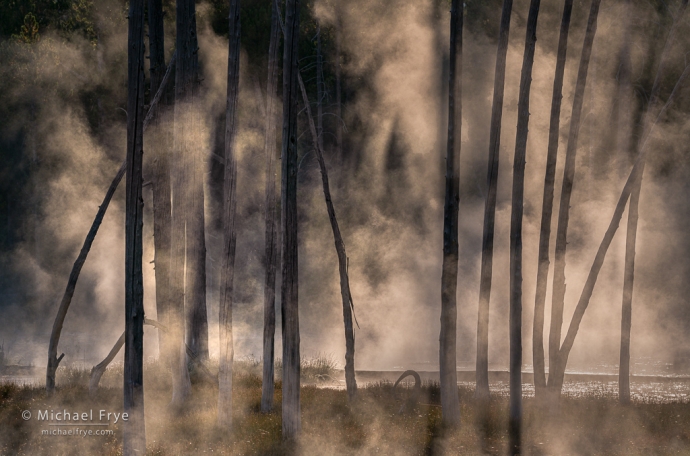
{"x":267,"y":385}
{"x":184,"y":160}
{"x":547,"y":204}
{"x":449,"y":277}
{"x":631,"y":234}
{"x":195,"y":265}
{"x":558,"y":372}
{"x":289,"y":289}
{"x":558,"y":295}
{"x":338,"y":87}
{"x":515,"y":421}
{"x":160,"y":149}
{"x":482,"y":367}
{"x":134,"y":435}
{"x":346,"y":295}
{"x":227,"y":350}
{"x":53,"y":359}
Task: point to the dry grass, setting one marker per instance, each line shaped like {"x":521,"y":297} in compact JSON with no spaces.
{"x":591,"y":425}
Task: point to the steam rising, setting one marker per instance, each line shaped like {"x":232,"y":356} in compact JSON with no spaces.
{"x":387,"y":190}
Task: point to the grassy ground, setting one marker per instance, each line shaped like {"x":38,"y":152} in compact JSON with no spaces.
{"x":332,"y":427}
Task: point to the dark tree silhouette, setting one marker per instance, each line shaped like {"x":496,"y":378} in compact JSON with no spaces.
{"x":515,"y":421}
{"x":267,"y":385}
{"x":289,"y":289}
{"x":134,"y":435}
{"x":229,"y":235}
{"x":482,"y":368}
{"x":449,"y":277}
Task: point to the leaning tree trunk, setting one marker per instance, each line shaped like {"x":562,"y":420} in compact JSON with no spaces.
{"x":515,"y":421}
{"x":338,"y":89}
{"x":267,"y":385}
{"x":547,"y":205}
{"x":450,"y":405}
{"x":482,"y":366}
{"x":53,"y":359}
{"x":227,"y":350}
{"x":556,"y":377}
{"x":346,"y":295}
{"x":134,"y":435}
{"x":558,"y":294}
{"x":289,"y":296}
{"x":160,"y":149}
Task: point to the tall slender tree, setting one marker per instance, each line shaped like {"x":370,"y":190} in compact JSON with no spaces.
{"x":449,"y":277}
{"x":195,"y":265}
{"x":482,"y":367}
{"x":181,"y":179}
{"x":160,"y":149}
{"x":229,"y":235}
{"x":267,"y":385}
{"x":134,"y":435}
{"x":289,"y":289}
{"x":558,"y":294}
{"x":515,"y":421}
{"x":547,"y":204}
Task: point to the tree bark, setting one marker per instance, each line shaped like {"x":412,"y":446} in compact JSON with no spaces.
{"x":556,"y":377}
{"x":558,"y":294}
{"x":547,"y":205}
{"x":515,"y":420}
{"x":289,"y":289}
{"x":482,"y":367}
{"x":623,"y":141}
{"x":184,"y":160}
{"x":227,"y":351}
{"x":134,"y":435}
{"x":450,"y":404}
{"x":631,"y":234}
{"x":267,"y":385}
{"x":338,"y":88}
{"x":160,"y":149}
{"x":53,"y":359}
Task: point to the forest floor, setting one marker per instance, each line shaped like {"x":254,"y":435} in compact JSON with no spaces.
{"x":372,"y":425}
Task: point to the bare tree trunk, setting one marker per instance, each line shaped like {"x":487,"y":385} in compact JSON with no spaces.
{"x":482,"y":367}
{"x":134,"y":435}
{"x":346,"y":295}
{"x":320,"y":89}
{"x":160,"y":149}
{"x":515,"y":421}
{"x":267,"y":385}
{"x":53,"y":359}
{"x":558,"y":372}
{"x":195,"y":281}
{"x":289,"y":290}
{"x":182,"y":191}
{"x":623,"y":141}
{"x":558,"y":296}
{"x":631,"y":234}
{"x":547,"y":205}
{"x":338,"y":88}
{"x":227,"y":350}
{"x":450,"y":405}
